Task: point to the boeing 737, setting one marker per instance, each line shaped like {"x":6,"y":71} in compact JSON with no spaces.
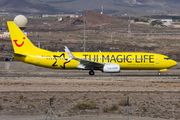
{"x":107,"y":62}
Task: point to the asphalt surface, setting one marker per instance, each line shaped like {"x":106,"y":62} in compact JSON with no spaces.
{"x":90,"y":91}
{"x":79,"y":75}
{"x":82,"y":117}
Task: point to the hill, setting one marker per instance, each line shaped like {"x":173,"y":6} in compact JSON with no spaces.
{"x":76,"y":6}
{"x":25,"y":7}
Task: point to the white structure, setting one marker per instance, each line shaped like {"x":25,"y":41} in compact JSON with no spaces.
{"x":3,"y":12}
{"x":166,"y":22}
{"x":5,"y":35}
{"x":21,"y":21}
{"x":102,"y":10}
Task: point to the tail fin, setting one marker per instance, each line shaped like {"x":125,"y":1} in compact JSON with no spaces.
{"x":21,"y":43}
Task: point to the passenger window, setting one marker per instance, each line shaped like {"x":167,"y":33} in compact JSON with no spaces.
{"x":167,"y":58}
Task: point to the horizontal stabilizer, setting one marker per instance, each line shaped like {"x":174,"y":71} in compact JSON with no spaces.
{"x":17,"y":54}
{"x":20,"y":55}
{"x":6,"y":56}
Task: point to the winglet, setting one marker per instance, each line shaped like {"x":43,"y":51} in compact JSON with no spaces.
{"x":71,"y":56}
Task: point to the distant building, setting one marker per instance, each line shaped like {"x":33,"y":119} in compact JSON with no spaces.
{"x":2,"y":29}
{"x":45,"y":15}
{"x":61,"y":15}
{"x":3,"y":12}
{"x":166,"y":22}
{"x":5,"y":35}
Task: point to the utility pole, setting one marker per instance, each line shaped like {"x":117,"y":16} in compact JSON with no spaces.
{"x":129,"y":27}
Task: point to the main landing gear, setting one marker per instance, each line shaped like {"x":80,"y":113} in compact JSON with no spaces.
{"x":91,"y":72}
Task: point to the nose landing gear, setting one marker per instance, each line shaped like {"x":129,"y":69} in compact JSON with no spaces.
{"x":159,"y":73}
{"x":91,"y":72}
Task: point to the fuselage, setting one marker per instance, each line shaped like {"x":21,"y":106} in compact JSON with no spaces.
{"x":126,"y":60}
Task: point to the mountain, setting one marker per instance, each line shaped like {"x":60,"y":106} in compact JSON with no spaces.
{"x":24,"y":7}
{"x":76,"y":6}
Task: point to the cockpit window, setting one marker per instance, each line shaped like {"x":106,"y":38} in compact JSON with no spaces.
{"x":167,"y":58}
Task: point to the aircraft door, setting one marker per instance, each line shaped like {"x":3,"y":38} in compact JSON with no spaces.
{"x":157,"y":59}
{"x":38,"y":60}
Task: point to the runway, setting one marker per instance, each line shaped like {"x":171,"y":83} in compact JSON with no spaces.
{"x":79,"y":75}
{"x":90,"y":91}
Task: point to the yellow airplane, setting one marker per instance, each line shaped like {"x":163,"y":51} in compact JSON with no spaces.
{"x":107,"y":62}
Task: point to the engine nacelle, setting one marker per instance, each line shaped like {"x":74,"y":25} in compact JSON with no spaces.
{"x":111,"y":68}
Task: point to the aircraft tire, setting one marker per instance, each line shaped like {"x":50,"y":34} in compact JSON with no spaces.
{"x":91,"y":72}
{"x":159,"y":73}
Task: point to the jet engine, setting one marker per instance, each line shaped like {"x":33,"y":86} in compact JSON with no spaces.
{"x":111,"y":68}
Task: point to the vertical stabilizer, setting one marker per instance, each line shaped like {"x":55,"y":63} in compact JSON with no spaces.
{"x":20,"y":42}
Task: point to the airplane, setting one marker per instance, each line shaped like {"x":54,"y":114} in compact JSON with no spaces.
{"x":107,"y":62}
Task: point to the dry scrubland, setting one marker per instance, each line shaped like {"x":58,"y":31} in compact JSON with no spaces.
{"x":93,"y":97}
{"x":90,"y":97}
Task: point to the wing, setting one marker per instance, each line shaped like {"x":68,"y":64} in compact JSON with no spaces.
{"x":84,"y":64}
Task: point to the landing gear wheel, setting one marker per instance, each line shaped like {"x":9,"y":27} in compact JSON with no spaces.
{"x":159,"y":73}
{"x":91,"y":72}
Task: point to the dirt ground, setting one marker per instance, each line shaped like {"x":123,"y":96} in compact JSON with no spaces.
{"x":99,"y":97}
{"x":105,"y":117}
{"x":87,"y":98}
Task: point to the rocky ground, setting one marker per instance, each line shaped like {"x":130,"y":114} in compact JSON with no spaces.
{"x":150,"y":98}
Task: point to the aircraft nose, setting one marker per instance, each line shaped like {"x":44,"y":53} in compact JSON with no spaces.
{"x":173,"y":63}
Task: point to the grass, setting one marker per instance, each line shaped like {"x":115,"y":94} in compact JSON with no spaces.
{"x":59,"y":115}
{"x":105,"y":109}
{"x":144,"y":109}
{"x":46,"y":111}
{"x":31,"y":105}
{"x":17,"y":101}
{"x":82,"y":105}
{"x":123,"y":102}
{"x":113,"y":107}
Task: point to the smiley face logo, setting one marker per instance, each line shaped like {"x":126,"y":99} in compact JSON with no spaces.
{"x":19,"y":45}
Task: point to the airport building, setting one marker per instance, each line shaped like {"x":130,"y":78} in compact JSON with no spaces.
{"x":3,"y":13}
